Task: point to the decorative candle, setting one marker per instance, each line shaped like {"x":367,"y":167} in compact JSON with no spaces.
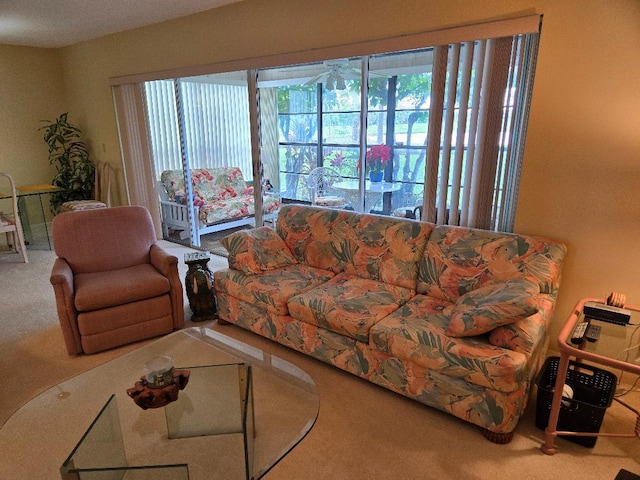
{"x":159,"y":372}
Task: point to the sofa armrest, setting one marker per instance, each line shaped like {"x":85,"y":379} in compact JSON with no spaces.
{"x":62,"y":280}
{"x":167,"y":265}
{"x":528,"y":335}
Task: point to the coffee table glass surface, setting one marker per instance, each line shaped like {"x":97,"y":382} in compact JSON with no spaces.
{"x":284,"y":403}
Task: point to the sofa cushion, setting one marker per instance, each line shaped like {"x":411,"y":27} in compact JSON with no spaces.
{"x":95,"y":291}
{"x":369,"y":246}
{"x":416,"y":332}
{"x":458,"y":260}
{"x":329,"y":201}
{"x":272,"y":289}
{"x":257,"y":250}
{"x":218,"y":183}
{"x":316,"y":236}
{"x":240,"y":206}
{"x":206,"y":183}
{"x":348,"y":305}
{"x":493,"y":305}
{"x":386,"y":249}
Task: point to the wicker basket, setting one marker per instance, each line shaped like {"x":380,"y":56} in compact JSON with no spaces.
{"x":593,"y":390}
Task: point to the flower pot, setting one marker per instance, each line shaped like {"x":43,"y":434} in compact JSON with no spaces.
{"x":376,"y":176}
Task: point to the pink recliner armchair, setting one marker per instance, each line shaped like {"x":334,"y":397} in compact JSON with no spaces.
{"x":113,"y":284}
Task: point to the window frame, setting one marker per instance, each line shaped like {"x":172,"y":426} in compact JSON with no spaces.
{"x":137,"y":174}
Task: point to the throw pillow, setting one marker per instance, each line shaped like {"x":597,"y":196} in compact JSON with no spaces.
{"x":493,"y":305}
{"x":181,"y":198}
{"x":257,"y":250}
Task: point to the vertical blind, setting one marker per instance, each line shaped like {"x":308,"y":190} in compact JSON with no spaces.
{"x":478,"y":115}
{"x":216,"y":125}
{"x":476,"y":130}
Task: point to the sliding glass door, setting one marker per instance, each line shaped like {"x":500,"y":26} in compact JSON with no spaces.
{"x":444,"y":129}
{"x":435,"y":133}
{"x":197,"y":124}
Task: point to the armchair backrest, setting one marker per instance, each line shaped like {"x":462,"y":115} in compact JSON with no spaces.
{"x":320,"y":182}
{"x":103,"y":239}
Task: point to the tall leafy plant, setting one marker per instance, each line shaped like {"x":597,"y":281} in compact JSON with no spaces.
{"x":74,"y":169}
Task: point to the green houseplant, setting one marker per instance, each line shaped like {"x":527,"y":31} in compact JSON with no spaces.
{"x":74,"y":169}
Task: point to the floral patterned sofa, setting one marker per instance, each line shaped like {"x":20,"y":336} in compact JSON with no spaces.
{"x":452,"y":317}
{"x":221,"y":197}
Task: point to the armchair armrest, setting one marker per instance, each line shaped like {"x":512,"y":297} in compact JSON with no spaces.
{"x":62,"y":280}
{"x":167,"y":264}
{"x":162,"y":261}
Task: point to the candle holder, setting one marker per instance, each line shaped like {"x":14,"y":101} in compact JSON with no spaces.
{"x":160,"y":385}
{"x":159,"y":372}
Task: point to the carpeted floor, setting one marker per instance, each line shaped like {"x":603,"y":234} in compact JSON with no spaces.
{"x":362,"y":432}
{"x":213,"y":246}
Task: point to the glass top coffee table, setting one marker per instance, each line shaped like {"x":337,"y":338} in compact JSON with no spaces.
{"x":280,"y":407}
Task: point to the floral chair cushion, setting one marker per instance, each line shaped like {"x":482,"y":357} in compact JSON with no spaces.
{"x":241,"y":206}
{"x":221,"y":193}
{"x":257,"y":250}
{"x":206,"y":183}
{"x":218,"y":183}
{"x":493,"y":305}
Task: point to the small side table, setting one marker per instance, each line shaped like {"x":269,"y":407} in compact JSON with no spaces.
{"x":199,"y":285}
{"x":24,"y":192}
{"x":606,"y":351}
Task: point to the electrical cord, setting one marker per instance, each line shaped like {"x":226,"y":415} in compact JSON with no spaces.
{"x":631,"y":389}
{"x":618,"y":300}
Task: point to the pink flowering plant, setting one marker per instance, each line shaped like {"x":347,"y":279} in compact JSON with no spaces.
{"x":377,"y":157}
{"x":335,"y":159}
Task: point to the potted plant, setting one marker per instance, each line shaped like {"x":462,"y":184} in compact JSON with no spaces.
{"x":75,"y":173}
{"x":377,"y":158}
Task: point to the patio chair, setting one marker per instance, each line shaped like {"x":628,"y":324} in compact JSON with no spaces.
{"x":10,"y":222}
{"x":321,"y":192}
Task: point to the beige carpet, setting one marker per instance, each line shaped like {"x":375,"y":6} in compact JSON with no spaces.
{"x":362,"y":432}
{"x":214,"y":247}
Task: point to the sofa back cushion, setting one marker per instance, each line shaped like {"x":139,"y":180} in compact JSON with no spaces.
{"x":257,"y":250}
{"x":458,"y":260}
{"x":207,"y":184}
{"x":379,"y":248}
{"x":316,"y":236}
